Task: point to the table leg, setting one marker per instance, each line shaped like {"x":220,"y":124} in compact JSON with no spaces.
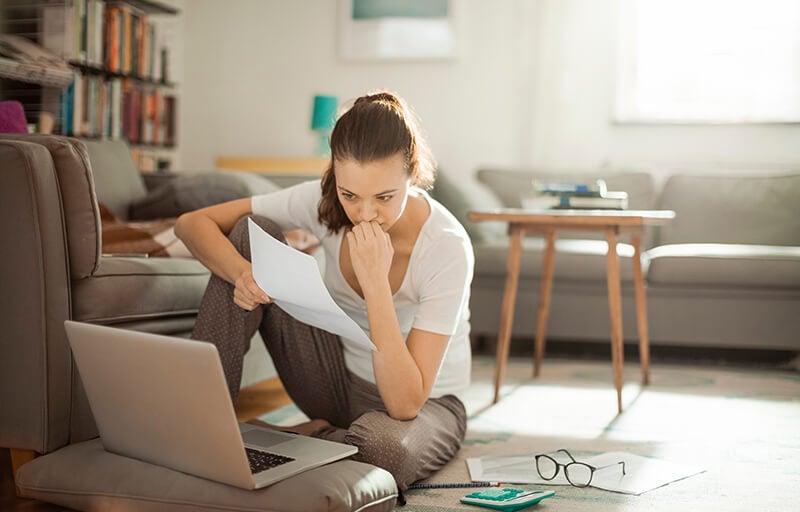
{"x":641,"y":308}
{"x":544,"y":300}
{"x":615,"y":311}
{"x":507,"y":311}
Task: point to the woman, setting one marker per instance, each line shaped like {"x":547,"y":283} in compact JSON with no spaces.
{"x":397,"y":262}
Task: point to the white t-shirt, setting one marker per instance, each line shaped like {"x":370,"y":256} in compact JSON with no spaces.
{"x":434,"y":295}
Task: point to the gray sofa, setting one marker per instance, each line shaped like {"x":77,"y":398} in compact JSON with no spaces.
{"x":724,"y":273}
{"x":53,"y":269}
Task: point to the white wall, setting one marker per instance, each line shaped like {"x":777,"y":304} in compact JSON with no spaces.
{"x":532,"y":87}
{"x":574,"y":77}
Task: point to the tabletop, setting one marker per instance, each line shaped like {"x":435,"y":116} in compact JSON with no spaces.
{"x":575,"y":217}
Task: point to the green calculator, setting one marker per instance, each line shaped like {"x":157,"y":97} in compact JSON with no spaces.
{"x":506,"y":499}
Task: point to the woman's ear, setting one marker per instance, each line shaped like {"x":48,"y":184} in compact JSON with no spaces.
{"x":413,"y":173}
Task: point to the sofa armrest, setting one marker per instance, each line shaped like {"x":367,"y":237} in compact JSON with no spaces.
{"x":35,"y":364}
{"x":78,"y":200}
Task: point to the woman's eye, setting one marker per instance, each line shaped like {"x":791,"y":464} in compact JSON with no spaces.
{"x":347,"y":195}
{"x":384,"y":198}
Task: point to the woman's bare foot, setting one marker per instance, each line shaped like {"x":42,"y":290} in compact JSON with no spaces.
{"x":304,"y":429}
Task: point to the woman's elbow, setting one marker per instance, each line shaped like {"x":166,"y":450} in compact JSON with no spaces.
{"x":405,"y":412}
{"x":181,"y":226}
{"x":404,"y":415}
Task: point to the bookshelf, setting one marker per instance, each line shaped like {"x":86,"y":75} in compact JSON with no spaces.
{"x":118,"y":56}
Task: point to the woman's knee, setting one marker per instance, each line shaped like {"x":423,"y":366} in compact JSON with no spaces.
{"x":409,"y":450}
{"x":240,"y":234}
{"x":382,"y":441}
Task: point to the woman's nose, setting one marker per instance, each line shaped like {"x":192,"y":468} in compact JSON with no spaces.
{"x":368,"y":212}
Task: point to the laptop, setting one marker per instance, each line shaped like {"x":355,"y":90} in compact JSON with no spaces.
{"x":164,"y":400}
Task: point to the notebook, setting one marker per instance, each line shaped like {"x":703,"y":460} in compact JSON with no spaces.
{"x":164,"y":400}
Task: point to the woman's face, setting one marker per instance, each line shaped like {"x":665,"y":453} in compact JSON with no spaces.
{"x":374,"y":191}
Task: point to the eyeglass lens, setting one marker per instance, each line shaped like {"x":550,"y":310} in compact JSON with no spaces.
{"x":547,"y":467}
{"x":577,"y":473}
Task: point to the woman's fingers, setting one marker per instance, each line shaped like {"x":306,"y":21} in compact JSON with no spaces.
{"x":247,"y":294}
{"x":367,"y":231}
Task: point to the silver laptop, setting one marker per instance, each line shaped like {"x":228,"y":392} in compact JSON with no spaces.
{"x":164,"y":400}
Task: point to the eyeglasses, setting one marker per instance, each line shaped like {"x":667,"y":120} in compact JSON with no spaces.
{"x":578,"y":474}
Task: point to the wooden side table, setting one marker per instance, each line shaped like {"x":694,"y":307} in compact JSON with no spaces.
{"x":613,"y":223}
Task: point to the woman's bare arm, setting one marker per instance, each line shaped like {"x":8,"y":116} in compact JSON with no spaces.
{"x":405,"y":370}
{"x":205,"y":233}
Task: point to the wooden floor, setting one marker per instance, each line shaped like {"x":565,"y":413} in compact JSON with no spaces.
{"x":253,"y":401}
{"x":260,"y":398}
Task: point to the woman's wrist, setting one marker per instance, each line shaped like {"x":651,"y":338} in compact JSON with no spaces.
{"x":376,"y":288}
{"x":238,"y":268}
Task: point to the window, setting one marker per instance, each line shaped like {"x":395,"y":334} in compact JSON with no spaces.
{"x":707,"y":61}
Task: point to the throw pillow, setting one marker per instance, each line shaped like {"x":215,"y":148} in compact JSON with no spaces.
{"x":12,"y":117}
{"x":191,"y":192}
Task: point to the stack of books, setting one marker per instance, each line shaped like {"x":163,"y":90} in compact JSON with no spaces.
{"x":572,"y":195}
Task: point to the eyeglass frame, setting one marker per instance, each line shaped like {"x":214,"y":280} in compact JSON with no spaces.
{"x":559,"y":465}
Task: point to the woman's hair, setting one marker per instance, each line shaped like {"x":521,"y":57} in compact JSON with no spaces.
{"x":377,"y":126}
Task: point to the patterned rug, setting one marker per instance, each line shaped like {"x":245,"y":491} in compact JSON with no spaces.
{"x":741,"y":425}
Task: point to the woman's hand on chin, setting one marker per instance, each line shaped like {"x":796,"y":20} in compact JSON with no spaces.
{"x":371,"y":252}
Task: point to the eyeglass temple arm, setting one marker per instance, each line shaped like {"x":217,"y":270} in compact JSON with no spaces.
{"x":613,"y":464}
{"x":568,"y":454}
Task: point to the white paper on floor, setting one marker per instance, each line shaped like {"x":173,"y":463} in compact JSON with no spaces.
{"x":642,"y":474}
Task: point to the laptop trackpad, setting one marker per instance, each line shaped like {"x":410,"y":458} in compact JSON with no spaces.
{"x":265,"y":438}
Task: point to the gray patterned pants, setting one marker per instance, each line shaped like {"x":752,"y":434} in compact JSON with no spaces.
{"x":311,"y":367}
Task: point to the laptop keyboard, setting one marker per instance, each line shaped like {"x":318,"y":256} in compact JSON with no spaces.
{"x":262,"y":461}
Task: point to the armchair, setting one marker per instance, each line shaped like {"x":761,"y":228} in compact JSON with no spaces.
{"x":53,"y":269}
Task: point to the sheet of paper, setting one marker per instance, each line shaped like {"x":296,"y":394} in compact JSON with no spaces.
{"x":642,"y":474}
{"x":293,"y":281}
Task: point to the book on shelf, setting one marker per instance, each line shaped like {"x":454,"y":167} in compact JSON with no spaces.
{"x":112,"y":30}
{"x":118,"y":108}
{"x":102,"y":67}
{"x":109,"y":35}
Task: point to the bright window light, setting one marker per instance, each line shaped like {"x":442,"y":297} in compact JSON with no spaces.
{"x":707,"y":61}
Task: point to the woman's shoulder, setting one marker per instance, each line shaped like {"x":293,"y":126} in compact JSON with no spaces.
{"x":443,"y":234}
{"x":442,"y":222}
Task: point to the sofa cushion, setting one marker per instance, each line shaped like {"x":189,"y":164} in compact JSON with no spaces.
{"x":131,"y":288}
{"x":761,"y":210}
{"x":460,"y":198}
{"x":116,"y":178}
{"x":733,"y":265}
{"x":84,"y":476}
{"x":574,"y":259}
{"x":194,"y":191}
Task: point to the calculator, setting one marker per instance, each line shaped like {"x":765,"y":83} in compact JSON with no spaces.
{"x":506,"y":499}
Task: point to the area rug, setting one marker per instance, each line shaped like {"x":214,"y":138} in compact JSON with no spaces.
{"x":742,"y":426}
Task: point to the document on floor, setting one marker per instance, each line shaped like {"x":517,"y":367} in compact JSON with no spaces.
{"x":642,"y":474}
{"x":293,"y":281}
